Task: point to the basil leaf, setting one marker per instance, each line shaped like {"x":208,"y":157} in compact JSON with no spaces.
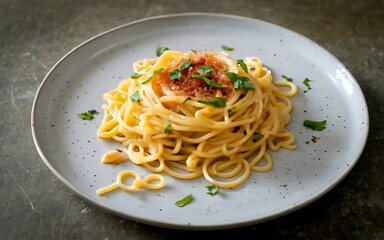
{"x":226,"y":48}
{"x":287,"y":78}
{"x":257,"y":137}
{"x":208,"y":81}
{"x":243,"y":83}
{"x":317,"y":126}
{"x":212,"y":190}
{"x":242,"y":65}
{"x":204,"y":69}
{"x":185,"y":65}
{"x":87,"y":115}
{"x":188,"y":98}
{"x":160,"y":50}
{"x":168,"y":127}
{"x":154,"y":73}
{"x":93,"y":111}
{"x":217,"y":101}
{"x":184,"y":201}
{"x":136,"y":75}
{"x":175,"y":74}
{"x":306,"y":83}
{"x":135,"y":97}
{"x":231,"y":76}
{"x":240,"y":82}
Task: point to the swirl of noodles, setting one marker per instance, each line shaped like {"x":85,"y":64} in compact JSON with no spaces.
{"x":222,"y":143}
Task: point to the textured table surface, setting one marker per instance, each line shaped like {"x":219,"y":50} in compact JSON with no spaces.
{"x":34,"y":204}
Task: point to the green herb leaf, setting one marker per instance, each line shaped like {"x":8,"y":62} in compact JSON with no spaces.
{"x":160,"y":50}
{"x":317,"y":126}
{"x":242,"y":65}
{"x":87,"y":115}
{"x":243,"y":83}
{"x":168,"y":127}
{"x":212,"y":190}
{"x":175,"y":74}
{"x":135,"y":97}
{"x":287,"y":78}
{"x":136,"y":75}
{"x":231,"y":76}
{"x":226,"y":48}
{"x":154,"y":73}
{"x":185,"y":65}
{"x":188,"y":98}
{"x":208,"y":81}
{"x":306,"y":83}
{"x":240,"y":82}
{"x":204,"y":69}
{"x":257,"y":137}
{"x":217,"y":101}
{"x":184,"y":201}
{"x":93,"y":111}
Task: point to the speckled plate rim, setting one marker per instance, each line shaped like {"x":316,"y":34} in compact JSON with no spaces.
{"x":175,"y":226}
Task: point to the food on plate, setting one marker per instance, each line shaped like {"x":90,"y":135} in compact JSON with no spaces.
{"x":197,"y":114}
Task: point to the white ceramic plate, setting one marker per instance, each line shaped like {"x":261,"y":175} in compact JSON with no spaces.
{"x":71,"y":150}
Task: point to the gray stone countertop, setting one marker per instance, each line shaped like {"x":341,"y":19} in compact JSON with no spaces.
{"x":34,"y":204}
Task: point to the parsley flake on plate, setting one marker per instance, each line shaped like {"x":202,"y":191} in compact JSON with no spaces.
{"x":88,"y":115}
{"x":287,"y":78}
{"x":184,"y":201}
{"x":212,"y":190}
{"x":306,"y":83}
{"x":226,"y":48}
{"x":317,"y":126}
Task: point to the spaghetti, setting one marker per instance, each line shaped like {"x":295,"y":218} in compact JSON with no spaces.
{"x":192,"y":115}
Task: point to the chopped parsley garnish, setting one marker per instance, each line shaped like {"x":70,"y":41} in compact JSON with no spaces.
{"x":208,"y":81}
{"x":242,"y":65}
{"x":188,"y":98}
{"x":306,"y":83}
{"x":226,"y":48}
{"x":217,"y":101}
{"x":184,"y":201}
{"x":175,"y":74}
{"x":168,"y":127}
{"x":212,"y":190}
{"x":185,"y":65}
{"x":136,"y":75}
{"x":135,"y":97}
{"x":240,"y":82}
{"x":317,"y":126}
{"x":88,"y":115}
{"x":154,"y":73}
{"x":204,"y":69}
{"x":287,"y":78}
{"x":160,"y":50}
{"x":257,"y":137}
